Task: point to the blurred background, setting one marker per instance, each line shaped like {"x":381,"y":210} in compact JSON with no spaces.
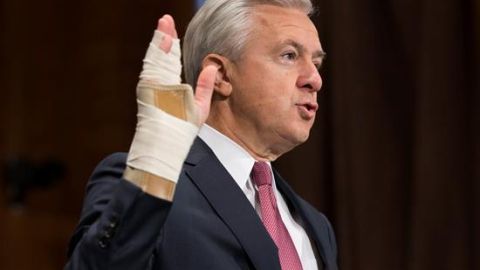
{"x":393,"y":159}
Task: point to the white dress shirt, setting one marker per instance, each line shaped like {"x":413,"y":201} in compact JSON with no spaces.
{"x":239,"y":163}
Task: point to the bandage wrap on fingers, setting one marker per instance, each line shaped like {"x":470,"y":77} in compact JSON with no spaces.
{"x":159,"y":66}
{"x":166,"y":117}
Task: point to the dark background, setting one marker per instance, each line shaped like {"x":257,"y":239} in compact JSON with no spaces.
{"x":393,"y":159}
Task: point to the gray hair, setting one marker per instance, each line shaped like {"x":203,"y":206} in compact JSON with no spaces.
{"x":223,"y":27}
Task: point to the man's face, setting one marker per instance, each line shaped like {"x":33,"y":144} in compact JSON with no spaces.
{"x":275,"y":82}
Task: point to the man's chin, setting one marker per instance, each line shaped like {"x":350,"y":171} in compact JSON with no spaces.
{"x":303,"y":139}
{"x":298,"y":138}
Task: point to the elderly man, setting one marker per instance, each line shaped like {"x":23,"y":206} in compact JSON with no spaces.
{"x":196,"y":190}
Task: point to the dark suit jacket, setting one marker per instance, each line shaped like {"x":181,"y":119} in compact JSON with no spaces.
{"x":210,"y":225}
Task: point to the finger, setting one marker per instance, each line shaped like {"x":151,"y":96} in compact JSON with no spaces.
{"x":164,"y":26}
{"x":171,"y":23}
{"x":166,"y":43}
{"x":204,"y":90}
{"x":206,"y":83}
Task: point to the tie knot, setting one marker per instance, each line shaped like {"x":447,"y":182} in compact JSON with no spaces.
{"x":261,"y":174}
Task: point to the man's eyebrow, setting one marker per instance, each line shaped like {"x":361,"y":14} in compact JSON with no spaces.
{"x":301,"y":49}
{"x":320,"y":54}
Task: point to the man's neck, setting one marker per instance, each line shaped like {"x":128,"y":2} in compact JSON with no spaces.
{"x":250,"y":142}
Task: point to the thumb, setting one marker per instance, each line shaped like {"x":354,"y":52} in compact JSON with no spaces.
{"x":204,"y":91}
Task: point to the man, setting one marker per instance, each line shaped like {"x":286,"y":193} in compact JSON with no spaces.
{"x":179,"y":201}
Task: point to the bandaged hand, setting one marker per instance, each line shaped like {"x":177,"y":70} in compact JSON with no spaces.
{"x":169,"y":115}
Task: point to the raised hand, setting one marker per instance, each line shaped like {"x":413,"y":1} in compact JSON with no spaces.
{"x":169,"y":114}
{"x":162,"y":65}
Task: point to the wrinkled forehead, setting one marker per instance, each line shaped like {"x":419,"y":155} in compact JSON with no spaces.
{"x":275,"y":16}
{"x":273,"y":23}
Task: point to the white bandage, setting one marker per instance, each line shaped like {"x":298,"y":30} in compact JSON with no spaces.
{"x":161,"y":67}
{"x":161,"y":142}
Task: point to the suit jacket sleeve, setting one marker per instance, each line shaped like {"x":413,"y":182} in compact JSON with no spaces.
{"x":119,"y":225}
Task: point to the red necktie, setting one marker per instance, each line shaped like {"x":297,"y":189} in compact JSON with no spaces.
{"x":262,"y":177}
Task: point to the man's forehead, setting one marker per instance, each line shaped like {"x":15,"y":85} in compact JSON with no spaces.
{"x":268,"y":14}
{"x":277,"y":19}
{"x":285,"y":26}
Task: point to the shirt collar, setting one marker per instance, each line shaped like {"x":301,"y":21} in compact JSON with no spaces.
{"x":236,"y":160}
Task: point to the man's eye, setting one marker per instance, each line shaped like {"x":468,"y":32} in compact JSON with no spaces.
{"x":289,"y":56}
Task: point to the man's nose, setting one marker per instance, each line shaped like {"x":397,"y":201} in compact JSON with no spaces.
{"x":309,"y":78}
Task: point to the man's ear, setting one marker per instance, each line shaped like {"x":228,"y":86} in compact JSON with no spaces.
{"x":223,"y":86}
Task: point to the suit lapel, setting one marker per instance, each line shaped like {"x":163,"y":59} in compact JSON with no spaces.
{"x":231,"y":204}
{"x":293,"y":201}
